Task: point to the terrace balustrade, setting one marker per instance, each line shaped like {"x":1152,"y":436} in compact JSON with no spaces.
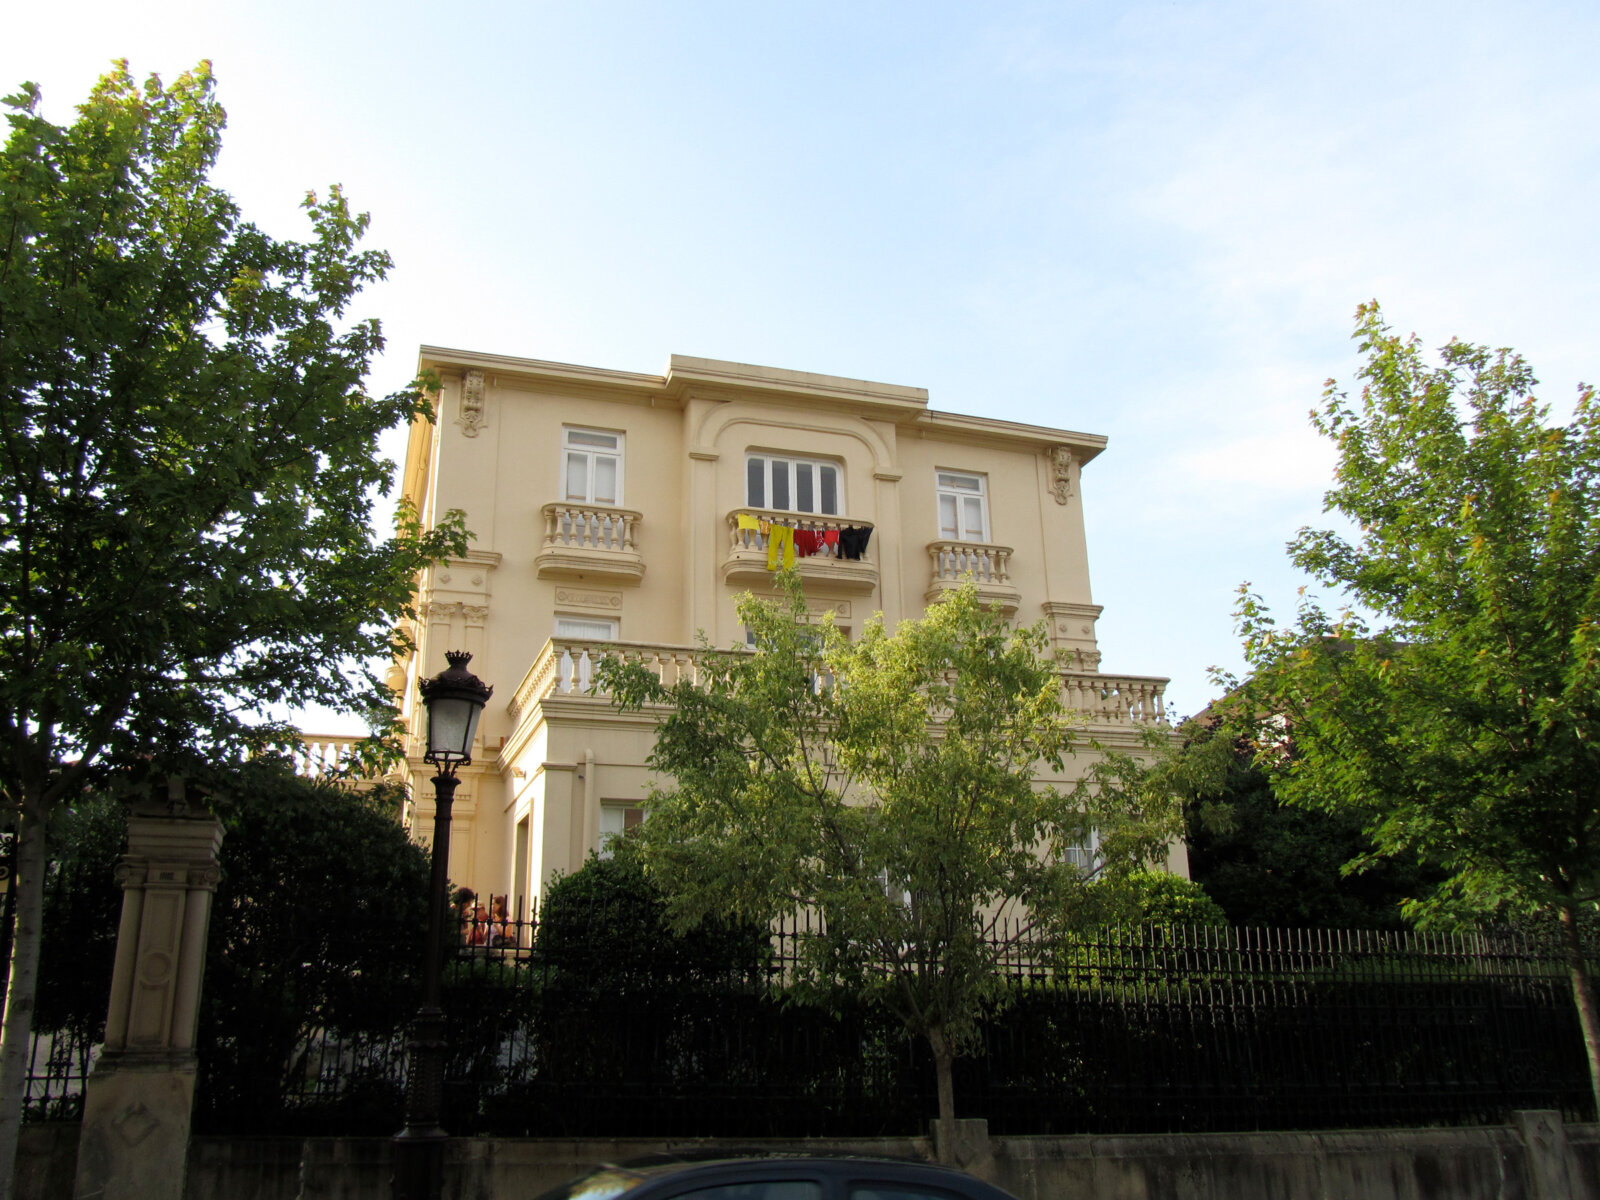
{"x":566,"y":669}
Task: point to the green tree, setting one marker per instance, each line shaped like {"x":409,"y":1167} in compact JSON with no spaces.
{"x":188,"y":468}
{"x":887,"y":784}
{"x":1460,"y":720}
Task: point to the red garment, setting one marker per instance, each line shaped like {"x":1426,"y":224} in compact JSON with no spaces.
{"x":807,"y":542}
{"x":830,"y":539}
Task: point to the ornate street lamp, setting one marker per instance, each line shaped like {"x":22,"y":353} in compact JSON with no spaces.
{"x":454,"y":700}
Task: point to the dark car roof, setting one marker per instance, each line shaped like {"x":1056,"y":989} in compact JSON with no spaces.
{"x":662,"y":1174}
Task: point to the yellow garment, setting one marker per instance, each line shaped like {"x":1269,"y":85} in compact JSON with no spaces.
{"x":781,"y":537}
{"x":746,"y":521}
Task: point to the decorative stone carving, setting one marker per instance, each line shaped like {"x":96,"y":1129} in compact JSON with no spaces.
{"x":1065,"y":467}
{"x":439,"y":610}
{"x":475,"y":614}
{"x":579,"y":598}
{"x":472,"y":416}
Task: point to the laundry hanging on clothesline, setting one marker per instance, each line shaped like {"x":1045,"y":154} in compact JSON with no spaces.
{"x":780,"y":546}
{"x":853,"y":541}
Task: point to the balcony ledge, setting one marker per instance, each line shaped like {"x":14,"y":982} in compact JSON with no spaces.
{"x":607,"y":566}
{"x":1004,"y":595}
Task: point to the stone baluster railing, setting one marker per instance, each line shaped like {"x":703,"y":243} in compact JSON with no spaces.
{"x":1116,"y":700}
{"x":589,"y":527}
{"x":744,"y":538}
{"x":322,"y":753}
{"x":954,"y":561}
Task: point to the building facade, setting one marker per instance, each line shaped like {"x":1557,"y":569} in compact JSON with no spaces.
{"x":625,"y":513}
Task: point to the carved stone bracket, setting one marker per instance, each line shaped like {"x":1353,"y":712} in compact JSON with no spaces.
{"x":473,"y":417}
{"x":1064,"y":467}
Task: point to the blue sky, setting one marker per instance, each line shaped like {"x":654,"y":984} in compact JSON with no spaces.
{"x":1151,"y":221}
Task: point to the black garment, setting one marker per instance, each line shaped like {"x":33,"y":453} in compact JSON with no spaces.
{"x":853,"y":541}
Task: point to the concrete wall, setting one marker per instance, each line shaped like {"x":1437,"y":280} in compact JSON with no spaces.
{"x":1535,"y":1158}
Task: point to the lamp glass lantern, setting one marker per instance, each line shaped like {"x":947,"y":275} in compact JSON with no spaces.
{"x":454,"y":699}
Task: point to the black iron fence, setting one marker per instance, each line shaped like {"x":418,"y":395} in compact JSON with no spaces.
{"x":1129,"y":1030}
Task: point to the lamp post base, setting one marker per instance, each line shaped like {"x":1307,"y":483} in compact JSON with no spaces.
{"x":419,"y":1164}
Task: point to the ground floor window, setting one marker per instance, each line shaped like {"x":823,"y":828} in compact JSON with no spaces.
{"x":616,"y":818}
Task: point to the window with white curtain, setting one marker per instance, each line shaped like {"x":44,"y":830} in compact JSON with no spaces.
{"x":593,"y":629}
{"x":793,"y":484}
{"x":615,"y":821}
{"x":591,"y":467}
{"x":963,"y":507}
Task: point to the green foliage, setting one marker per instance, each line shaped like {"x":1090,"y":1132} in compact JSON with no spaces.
{"x":1271,"y":864}
{"x":187,"y":453}
{"x":1463,"y":727}
{"x":604,"y":931}
{"x":82,"y":912}
{"x":888,"y":785}
{"x":1153,"y":898}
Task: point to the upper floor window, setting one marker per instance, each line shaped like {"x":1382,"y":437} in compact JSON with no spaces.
{"x":963,"y":507}
{"x":591,"y":468}
{"x":792,"y":485}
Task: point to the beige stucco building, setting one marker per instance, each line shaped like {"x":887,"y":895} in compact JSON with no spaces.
{"x":617,"y":507}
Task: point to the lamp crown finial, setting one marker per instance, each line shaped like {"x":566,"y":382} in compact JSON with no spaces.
{"x":458,"y":659}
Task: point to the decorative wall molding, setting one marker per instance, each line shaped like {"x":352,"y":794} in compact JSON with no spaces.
{"x":588,"y":598}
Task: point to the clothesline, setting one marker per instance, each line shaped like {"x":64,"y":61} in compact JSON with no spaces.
{"x":785,"y":543}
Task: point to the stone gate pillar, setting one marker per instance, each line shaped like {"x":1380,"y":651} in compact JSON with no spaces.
{"x":140,"y":1094}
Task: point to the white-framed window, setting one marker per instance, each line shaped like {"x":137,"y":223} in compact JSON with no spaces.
{"x":591,"y":466}
{"x":594,"y":629}
{"x":1086,"y":854}
{"x":794,"y":484}
{"x":575,"y":670}
{"x":616,"y":818}
{"x":963,"y":507}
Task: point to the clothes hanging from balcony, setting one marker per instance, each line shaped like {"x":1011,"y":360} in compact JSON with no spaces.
{"x":830,"y":540}
{"x":746,"y":521}
{"x":780,"y":544}
{"x":853,"y":541}
{"x":807,"y":542}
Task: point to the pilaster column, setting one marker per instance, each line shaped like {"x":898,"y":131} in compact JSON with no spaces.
{"x":139,"y":1098}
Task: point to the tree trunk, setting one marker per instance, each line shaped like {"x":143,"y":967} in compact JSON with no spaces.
{"x":943,"y":1057}
{"x":1583,"y":996}
{"x":16,"y":1033}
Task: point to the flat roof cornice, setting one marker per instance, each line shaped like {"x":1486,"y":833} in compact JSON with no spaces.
{"x":442,"y":356}
{"x":934,"y":423}
{"x":684,"y":371}
{"x":717,"y":379}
